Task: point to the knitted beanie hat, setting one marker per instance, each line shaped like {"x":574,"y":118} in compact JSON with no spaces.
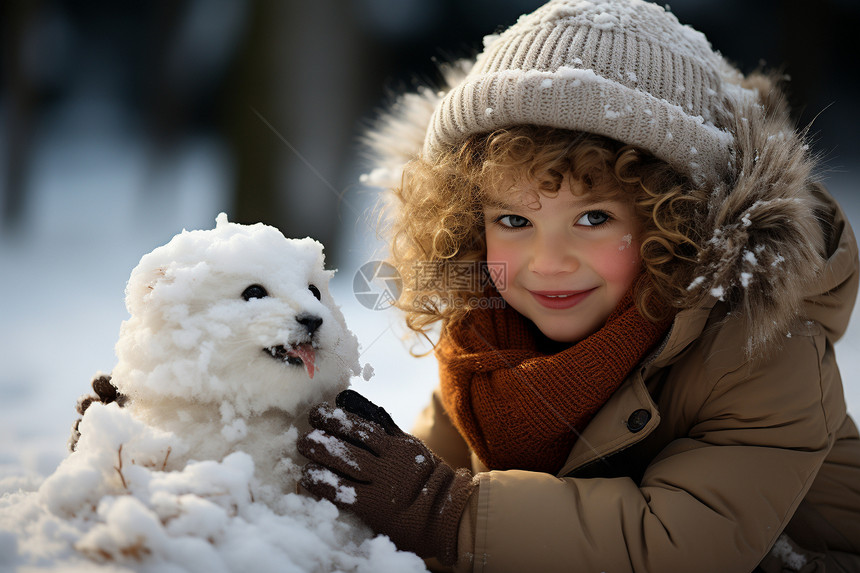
{"x":625,"y":69}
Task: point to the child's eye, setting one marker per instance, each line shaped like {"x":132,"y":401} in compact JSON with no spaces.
{"x":512,"y":221}
{"x":593,"y":219}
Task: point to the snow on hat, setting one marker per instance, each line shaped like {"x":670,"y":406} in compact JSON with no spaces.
{"x":625,"y":69}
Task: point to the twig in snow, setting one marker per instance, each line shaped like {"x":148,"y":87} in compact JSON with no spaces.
{"x":119,"y":469}
{"x":164,"y":463}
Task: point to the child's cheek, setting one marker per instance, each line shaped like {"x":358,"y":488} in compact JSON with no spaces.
{"x":617,"y":261}
{"x":501,"y":263}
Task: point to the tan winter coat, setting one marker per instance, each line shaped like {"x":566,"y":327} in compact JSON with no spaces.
{"x":728,"y":450}
{"x":697,"y":463}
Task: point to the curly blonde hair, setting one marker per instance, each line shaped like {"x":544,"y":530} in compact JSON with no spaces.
{"x":437,"y":213}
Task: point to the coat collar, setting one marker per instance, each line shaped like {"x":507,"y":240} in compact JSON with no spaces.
{"x":687,"y":327}
{"x":627,"y":417}
{"x":630,"y":414}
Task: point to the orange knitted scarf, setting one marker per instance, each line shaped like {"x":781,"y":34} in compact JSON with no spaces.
{"x":519,"y":407}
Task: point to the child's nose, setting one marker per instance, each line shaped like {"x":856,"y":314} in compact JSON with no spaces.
{"x":551,"y":256}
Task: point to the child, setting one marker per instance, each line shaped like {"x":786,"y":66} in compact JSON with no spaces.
{"x":646,"y":380}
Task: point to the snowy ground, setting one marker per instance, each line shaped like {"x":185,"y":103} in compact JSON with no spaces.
{"x":97,"y":209}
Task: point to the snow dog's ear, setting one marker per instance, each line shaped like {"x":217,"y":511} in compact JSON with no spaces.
{"x":142,"y":284}
{"x":159,"y":274}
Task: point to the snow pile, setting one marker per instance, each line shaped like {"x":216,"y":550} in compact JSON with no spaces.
{"x":233,"y":335}
{"x":109,"y":506}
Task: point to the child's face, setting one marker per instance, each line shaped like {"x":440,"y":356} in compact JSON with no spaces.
{"x":563,"y":262}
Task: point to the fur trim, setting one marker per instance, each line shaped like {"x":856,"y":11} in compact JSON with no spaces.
{"x":761,"y":224}
{"x":397,"y":136}
{"x":766,"y":243}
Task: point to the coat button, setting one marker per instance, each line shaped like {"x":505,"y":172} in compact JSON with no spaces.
{"x":638,"y":420}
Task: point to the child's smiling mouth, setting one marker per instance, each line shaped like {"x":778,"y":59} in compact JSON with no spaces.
{"x":557,"y":300}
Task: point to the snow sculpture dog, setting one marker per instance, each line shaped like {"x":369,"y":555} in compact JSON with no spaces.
{"x":232,"y":333}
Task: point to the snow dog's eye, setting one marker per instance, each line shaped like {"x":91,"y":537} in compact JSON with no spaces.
{"x":255,"y":291}
{"x":315,"y":291}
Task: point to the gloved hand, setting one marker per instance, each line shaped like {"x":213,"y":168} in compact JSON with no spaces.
{"x":105,"y":393}
{"x":362,"y":462}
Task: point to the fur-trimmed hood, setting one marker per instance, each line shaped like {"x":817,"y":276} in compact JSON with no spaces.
{"x":769,"y":223}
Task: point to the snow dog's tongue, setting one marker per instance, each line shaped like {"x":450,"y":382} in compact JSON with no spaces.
{"x":307,"y":355}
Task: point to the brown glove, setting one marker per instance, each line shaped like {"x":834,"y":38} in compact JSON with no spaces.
{"x":362,"y":462}
{"x":105,"y":392}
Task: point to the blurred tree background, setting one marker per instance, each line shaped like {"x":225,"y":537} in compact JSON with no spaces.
{"x":286,"y":87}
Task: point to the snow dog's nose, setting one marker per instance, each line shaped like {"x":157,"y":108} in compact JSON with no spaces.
{"x":310,"y":322}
